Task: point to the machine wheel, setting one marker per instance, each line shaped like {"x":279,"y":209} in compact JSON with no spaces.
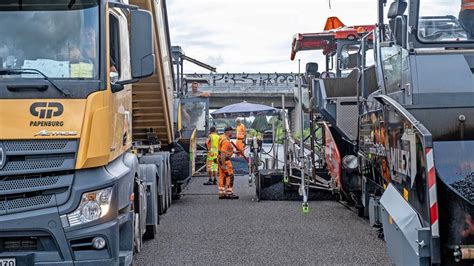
{"x":180,"y":165}
{"x":137,"y":235}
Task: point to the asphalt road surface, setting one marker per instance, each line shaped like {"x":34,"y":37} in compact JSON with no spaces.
{"x":201,"y":229}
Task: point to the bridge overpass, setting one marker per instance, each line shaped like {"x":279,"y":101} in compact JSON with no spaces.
{"x":262,"y":88}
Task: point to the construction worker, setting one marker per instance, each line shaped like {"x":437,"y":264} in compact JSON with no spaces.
{"x":466,"y":17}
{"x":241,"y":135}
{"x":212,"y":153}
{"x":226,"y":173}
{"x":195,"y":92}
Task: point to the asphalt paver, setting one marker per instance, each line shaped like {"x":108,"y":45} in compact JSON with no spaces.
{"x":201,"y":229}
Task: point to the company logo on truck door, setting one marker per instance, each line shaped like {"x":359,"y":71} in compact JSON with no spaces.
{"x":45,"y":111}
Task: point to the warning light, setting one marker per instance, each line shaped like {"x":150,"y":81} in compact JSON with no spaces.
{"x":360,"y":30}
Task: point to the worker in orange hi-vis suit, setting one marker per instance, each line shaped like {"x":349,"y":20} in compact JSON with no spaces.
{"x":241,"y":134}
{"x":226,"y":173}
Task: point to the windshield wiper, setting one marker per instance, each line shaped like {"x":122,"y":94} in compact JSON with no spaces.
{"x":64,"y":92}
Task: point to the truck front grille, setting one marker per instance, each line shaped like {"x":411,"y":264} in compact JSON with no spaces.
{"x":22,"y":193}
{"x":9,"y":184}
{"x":26,"y":202}
{"x":35,"y":145}
{"x":36,"y":174}
{"x":13,"y":241}
{"x":33,"y":164}
{"x":37,"y":156}
{"x":15,"y":244}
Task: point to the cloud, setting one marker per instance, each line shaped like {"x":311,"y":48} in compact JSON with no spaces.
{"x":256,"y":35}
{"x":215,"y":61}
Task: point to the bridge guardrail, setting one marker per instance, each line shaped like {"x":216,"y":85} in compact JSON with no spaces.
{"x":248,"y":82}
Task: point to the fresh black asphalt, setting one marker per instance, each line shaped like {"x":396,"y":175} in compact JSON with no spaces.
{"x":201,"y":229}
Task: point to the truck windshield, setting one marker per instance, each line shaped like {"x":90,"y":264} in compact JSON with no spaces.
{"x":58,"y":38}
{"x":446,"y":21}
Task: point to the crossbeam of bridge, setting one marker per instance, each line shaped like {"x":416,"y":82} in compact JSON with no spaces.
{"x":262,"y":88}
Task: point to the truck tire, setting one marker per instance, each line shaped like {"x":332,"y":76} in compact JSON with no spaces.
{"x":167,"y":179}
{"x":150,"y":232}
{"x":180,"y":166}
{"x":161,"y":205}
{"x":170,"y":187}
{"x":137,"y":235}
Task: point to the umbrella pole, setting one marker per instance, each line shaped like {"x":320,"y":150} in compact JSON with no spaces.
{"x":285,"y":141}
{"x":274,"y":159}
{"x":300,"y":103}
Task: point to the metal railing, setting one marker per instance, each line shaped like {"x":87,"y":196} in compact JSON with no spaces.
{"x":248,"y":82}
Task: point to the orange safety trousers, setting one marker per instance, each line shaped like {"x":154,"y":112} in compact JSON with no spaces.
{"x":226,"y":179}
{"x":240,"y":145}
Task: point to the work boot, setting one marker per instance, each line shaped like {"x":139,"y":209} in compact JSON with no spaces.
{"x":208,"y":183}
{"x":232,"y":196}
{"x":214,"y":182}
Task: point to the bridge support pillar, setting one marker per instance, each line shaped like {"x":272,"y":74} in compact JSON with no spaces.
{"x":295,"y":119}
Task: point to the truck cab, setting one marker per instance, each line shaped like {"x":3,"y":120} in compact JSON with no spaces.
{"x":71,"y":190}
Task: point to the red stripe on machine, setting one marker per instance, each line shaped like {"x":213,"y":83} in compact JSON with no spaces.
{"x":431,"y":178}
{"x":433,"y":197}
{"x":434,"y":213}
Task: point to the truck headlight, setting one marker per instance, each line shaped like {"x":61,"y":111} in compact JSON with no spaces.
{"x":94,"y":205}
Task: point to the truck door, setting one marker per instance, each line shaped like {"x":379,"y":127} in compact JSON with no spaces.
{"x":119,"y":70}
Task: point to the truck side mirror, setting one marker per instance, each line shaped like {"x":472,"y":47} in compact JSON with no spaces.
{"x":141,"y":44}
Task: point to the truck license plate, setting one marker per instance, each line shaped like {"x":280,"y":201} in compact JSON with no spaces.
{"x":7,"y":262}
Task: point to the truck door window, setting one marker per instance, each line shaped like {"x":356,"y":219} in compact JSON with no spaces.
{"x":114,"y":48}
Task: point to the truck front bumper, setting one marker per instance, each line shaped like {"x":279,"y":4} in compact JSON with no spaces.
{"x":42,"y":237}
{"x":38,"y":238}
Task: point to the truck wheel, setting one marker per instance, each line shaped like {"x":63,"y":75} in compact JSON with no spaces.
{"x":360,"y":211}
{"x":165,"y":194}
{"x":137,"y":234}
{"x":160,"y":205}
{"x":170,"y":192}
{"x":150,"y":232}
{"x":180,"y":165}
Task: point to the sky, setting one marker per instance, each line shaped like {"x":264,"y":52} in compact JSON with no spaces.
{"x":255,"y":35}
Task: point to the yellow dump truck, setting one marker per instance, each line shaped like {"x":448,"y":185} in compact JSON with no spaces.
{"x":86,"y":93}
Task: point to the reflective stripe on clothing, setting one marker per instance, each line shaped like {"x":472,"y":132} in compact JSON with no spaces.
{"x":225,"y":147}
{"x":212,"y":165}
{"x":226,"y":178}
